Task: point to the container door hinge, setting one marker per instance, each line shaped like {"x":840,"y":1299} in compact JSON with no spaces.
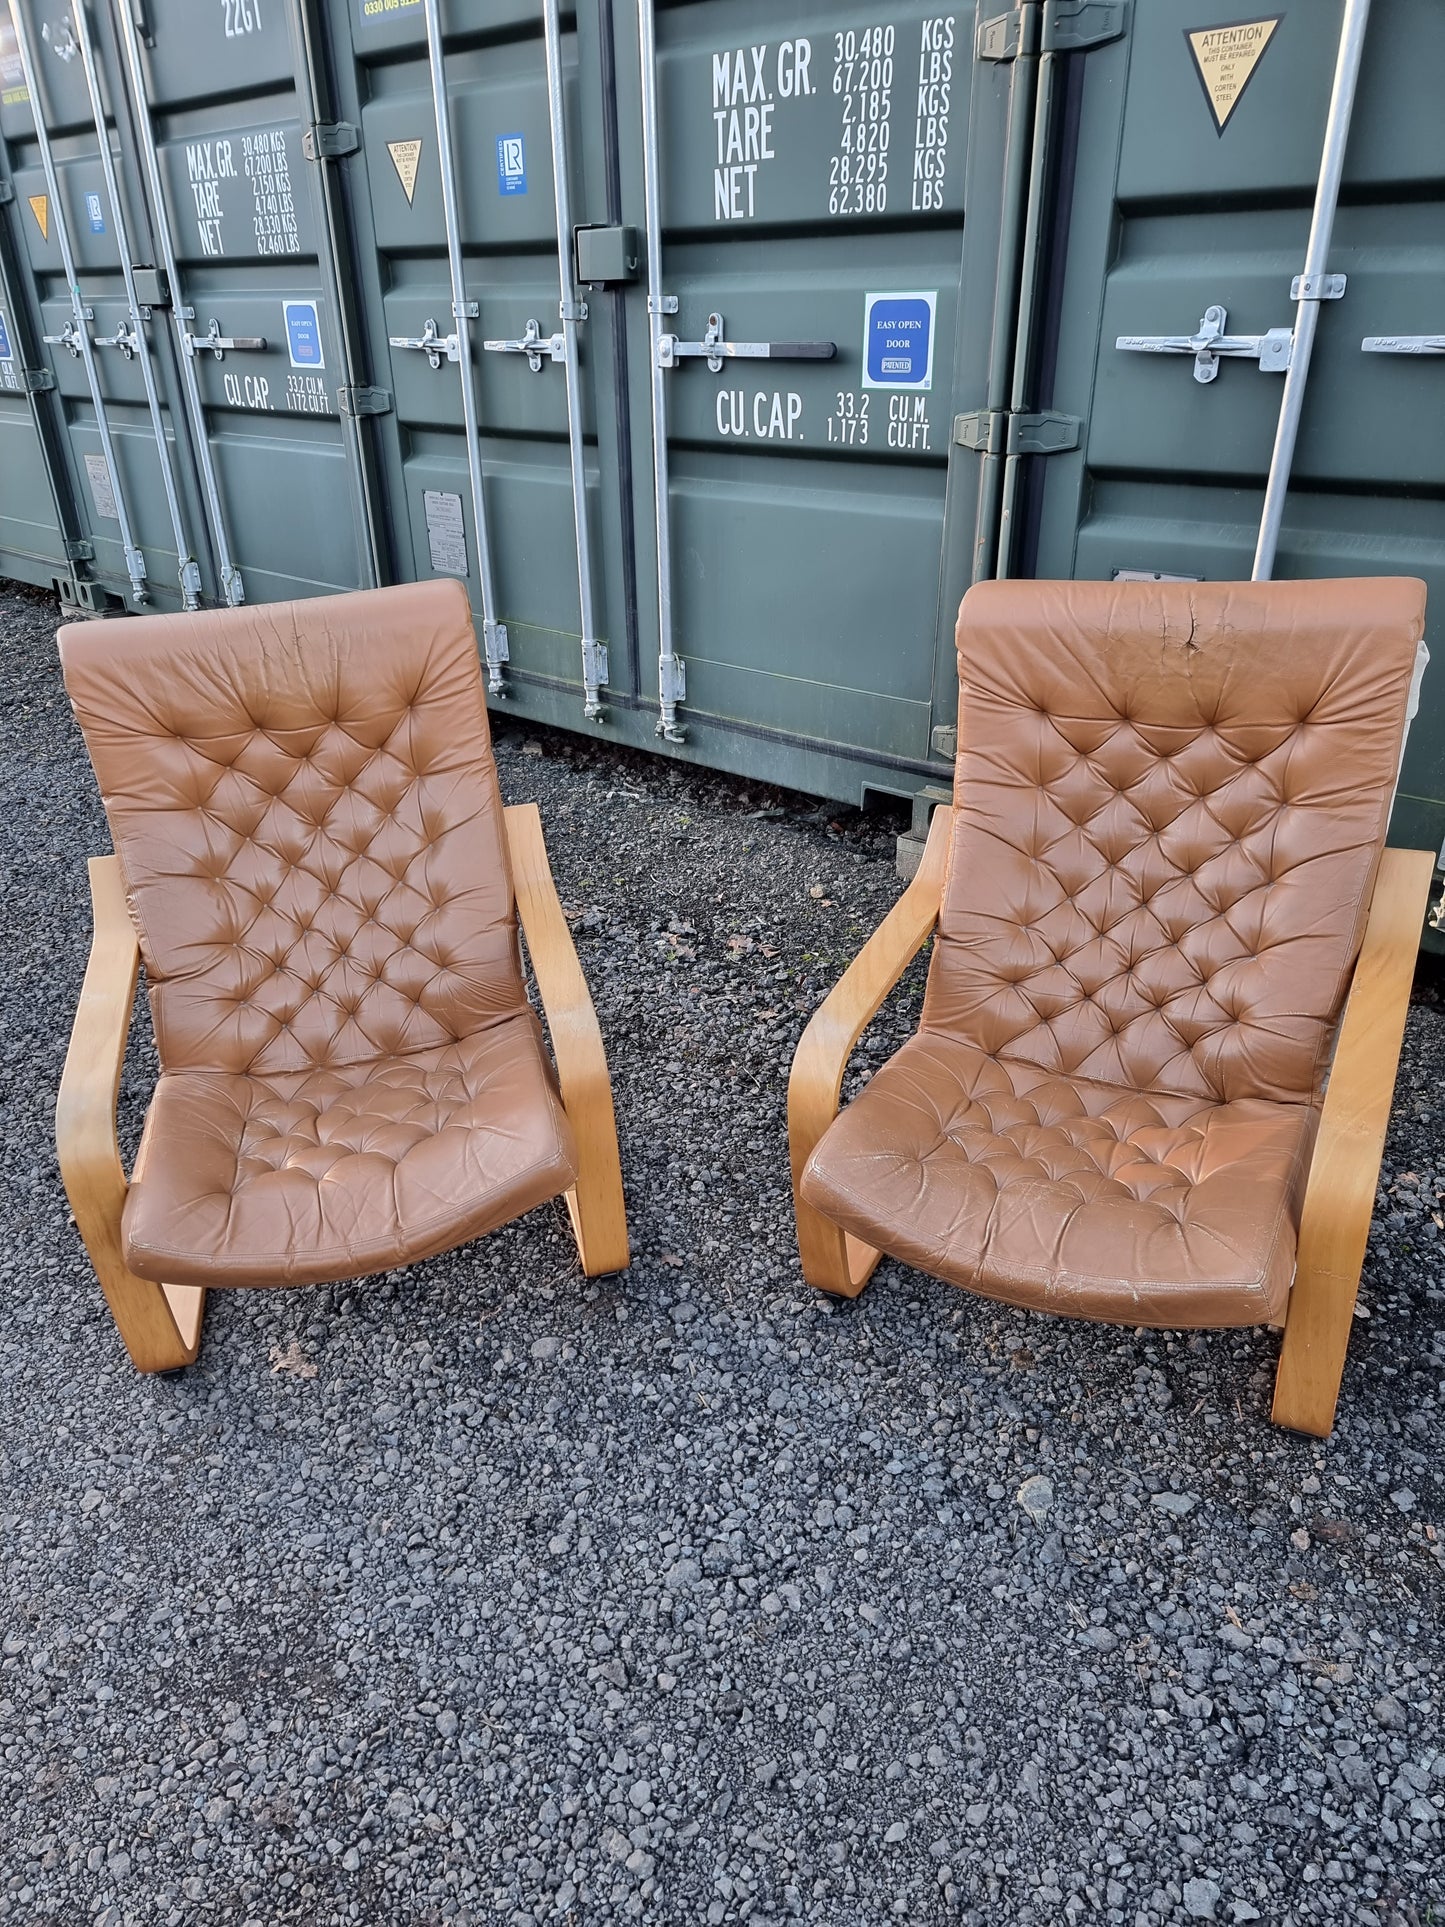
{"x":1072,"y":26}
{"x":1005,"y":35}
{"x":330,"y":140}
{"x":994,"y":431}
{"x":37,"y":381}
{"x":77,"y":549}
{"x":7,"y":193}
{"x":364,"y":401}
{"x":944,"y":740}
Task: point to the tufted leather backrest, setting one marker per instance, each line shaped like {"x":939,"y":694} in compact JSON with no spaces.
{"x":306,"y":812}
{"x":1171,"y":800}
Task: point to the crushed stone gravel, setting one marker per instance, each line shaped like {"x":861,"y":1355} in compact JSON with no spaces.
{"x":477,"y":1593}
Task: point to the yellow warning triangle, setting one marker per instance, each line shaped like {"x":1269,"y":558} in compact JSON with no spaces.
{"x":40,"y":208}
{"x":405,"y":158}
{"x":1226,"y":58}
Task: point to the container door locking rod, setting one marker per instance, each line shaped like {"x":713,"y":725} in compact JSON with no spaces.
{"x":79,"y":343}
{"x":458,"y":347}
{"x":1314,"y":285}
{"x":181,"y":315}
{"x":571,"y":309}
{"x":132,"y":340}
{"x":671,"y":670}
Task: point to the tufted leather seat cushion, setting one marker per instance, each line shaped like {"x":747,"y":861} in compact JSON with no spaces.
{"x":1171,"y":800}
{"x":305,"y":808}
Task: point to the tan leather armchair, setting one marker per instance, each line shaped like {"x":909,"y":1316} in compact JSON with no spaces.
{"x":313,"y":862}
{"x":1169,"y":984}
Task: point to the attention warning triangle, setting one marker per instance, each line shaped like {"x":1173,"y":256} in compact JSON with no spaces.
{"x":40,"y":208}
{"x":1226,"y":58}
{"x":405,"y":158}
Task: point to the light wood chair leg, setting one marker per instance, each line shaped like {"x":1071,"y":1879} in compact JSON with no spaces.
{"x":832,"y":1259}
{"x":160,"y":1324}
{"x":1340,"y":1195}
{"x":595,"y":1204}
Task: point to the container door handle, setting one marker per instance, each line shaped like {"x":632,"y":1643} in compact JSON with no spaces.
{"x":715,"y":348}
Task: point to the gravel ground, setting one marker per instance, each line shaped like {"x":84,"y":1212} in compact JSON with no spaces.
{"x":479,"y":1593}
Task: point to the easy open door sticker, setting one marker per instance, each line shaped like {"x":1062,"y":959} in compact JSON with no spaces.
{"x":303,"y":334}
{"x":1225,"y":59}
{"x":898,"y":340}
{"x":7,"y":353}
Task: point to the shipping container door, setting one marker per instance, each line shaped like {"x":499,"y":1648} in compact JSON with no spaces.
{"x":32,"y":540}
{"x":492,"y":54}
{"x":223,"y":91}
{"x":125,"y":467}
{"x":1192,"y":172}
{"x":811,"y":171}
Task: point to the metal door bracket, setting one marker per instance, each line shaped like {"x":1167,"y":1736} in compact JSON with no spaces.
{"x":1318,"y":287}
{"x":330,"y":141}
{"x":1403,"y":345}
{"x":7,"y":193}
{"x":594,"y":666}
{"x":124,"y":338}
{"x":534,"y":345}
{"x":943,"y":740}
{"x":36,"y":381}
{"x":672,"y":681}
{"x":436,"y":347}
{"x":1272,"y":350}
{"x":79,"y":549}
{"x":1001,"y":37}
{"x":994,"y":431}
{"x":716,"y":348}
{"x":1070,"y":26}
{"x":69,"y":338}
{"x":364,"y":401}
{"x":662,"y":304}
{"x":219,"y":345}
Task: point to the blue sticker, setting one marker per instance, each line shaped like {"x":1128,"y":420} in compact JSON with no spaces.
{"x":7,"y":353}
{"x":898,"y":340}
{"x":303,"y":334}
{"x":511,"y":164}
{"x":97,"y":218}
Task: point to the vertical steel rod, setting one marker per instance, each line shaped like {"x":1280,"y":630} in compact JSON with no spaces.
{"x":190,"y":574}
{"x":134,"y":560}
{"x":572,"y":310}
{"x":232,"y":587}
{"x":671,"y":673}
{"x":1307,"y":314}
{"x":1028,"y":306}
{"x":494,"y":633}
{"x":1022,"y":85}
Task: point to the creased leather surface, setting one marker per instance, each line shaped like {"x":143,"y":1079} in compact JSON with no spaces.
{"x":306,"y":812}
{"x":1171,"y":800}
{"x":1071,"y":1195}
{"x":308,"y":1176}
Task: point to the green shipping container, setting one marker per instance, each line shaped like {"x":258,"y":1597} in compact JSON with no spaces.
{"x":718,"y":345}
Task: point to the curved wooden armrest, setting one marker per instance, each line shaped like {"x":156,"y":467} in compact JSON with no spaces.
{"x":596,"y":1205}
{"x":832,"y":1260}
{"x":161,"y":1324}
{"x":85,"y":1138}
{"x":1340,"y":1195}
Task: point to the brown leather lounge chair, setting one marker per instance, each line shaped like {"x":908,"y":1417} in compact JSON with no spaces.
{"x":1164,"y":856}
{"x":312,"y":851}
